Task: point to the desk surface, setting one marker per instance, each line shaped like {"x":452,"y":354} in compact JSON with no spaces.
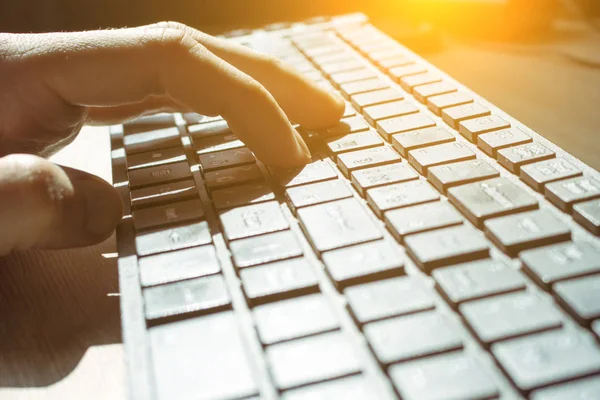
{"x":59,"y":313}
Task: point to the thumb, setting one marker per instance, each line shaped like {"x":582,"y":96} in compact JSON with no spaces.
{"x":47,"y":206}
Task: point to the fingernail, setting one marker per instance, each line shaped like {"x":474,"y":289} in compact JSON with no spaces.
{"x":103,"y":206}
{"x":303,"y":147}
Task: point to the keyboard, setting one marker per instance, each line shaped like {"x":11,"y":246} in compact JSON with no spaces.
{"x":434,"y":248}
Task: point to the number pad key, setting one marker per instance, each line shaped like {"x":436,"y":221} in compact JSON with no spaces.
{"x":581,"y":297}
{"x":374,"y":157}
{"x":368,"y":178}
{"x":252,"y":220}
{"x":446,"y":153}
{"x":568,"y":192}
{"x":421,"y":218}
{"x":400,"y":195}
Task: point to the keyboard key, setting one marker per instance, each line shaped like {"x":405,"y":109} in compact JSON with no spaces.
{"x":363,"y":263}
{"x":189,"y":344}
{"x":312,"y":359}
{"x":476,"y":280}
{"x":155,"y":158}
{"x":263,"y":249}
{"x":423,"y":92}
{"x":354,"y":141}
{"x":453,"y":116}
{"x":587,"y":388}
{"x":348,"y":89}
{"x":393,"y":52}
{"x":206,"y":294}
{"x":400,"y":195}
{"x":165,"y":193}
{"x":410,"y":82}
{"x":232,"y":176}
{"x":411,"y":336}
{"x":446,"y":377}
{"x":242,"y":195}
{"x":472,"y":128}
{"x":460,"y":173}
{"x":509,"y":316}
{"x":355,"y":387}
{"x":204,"y":130}
{"x":443,"y":101}
{"x":178,"y":265}
{"x":151,"y":141}
{"x":252,"y":220}
{"x":342,"y":66}
{"x":587,"y":214}
{"x":389,"y":110}
{"x":349,"y":162}
{"x":538,"y":174}
{"x":278,"y":281}
{"x":294,"y":318}
{"x":346,"y":126}
{"x":491,"y":142}
{"x":149,"y":123}
{"x":167,"y":214}
{"x":399,"y":61}
{"x":513,"y":158}
{"x":348,"y":111}
{"x":377,"y":97}
{"x":388,"y":298}
{"x":195,"y":118}
{"x":547,"y":358}
{"x":315,"y":172}
{"x":352,"y":76}
{"x":491,"y":198}
{"x":445,"y":153}
{"x":558,"y":262}
{"x":406,"y":123}
{"x":404,"y":142}
{"x":568,"y":192}
{"x":447,"y":246}
{"x":218,"y":143}
{"x":175,"y":238}
{"x":368,"y":178}
{"x":421,"y":218}
{"x":159,"y":174}
{"x":338,"y":224}
{"x":412,"y":69}
{"x":580,"y":297}
{"x":226,"y":159}
{"x":317,"y":193}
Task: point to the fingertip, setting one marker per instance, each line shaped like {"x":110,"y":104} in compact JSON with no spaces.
{"x":103,"y":206}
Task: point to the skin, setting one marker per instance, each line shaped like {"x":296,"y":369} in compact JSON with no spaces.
{"x":52,"y":84}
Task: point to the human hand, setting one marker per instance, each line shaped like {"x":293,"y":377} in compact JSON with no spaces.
{"x":51,"y":84}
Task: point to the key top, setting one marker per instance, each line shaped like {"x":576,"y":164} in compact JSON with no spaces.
{"x":354,"y":141}
{"x":155,"y":158}
{"x":453,"y":116}
{"x":349,"y":162}
{"x":253,"y":220}
{"x":509,"y":316}
{"x":159,"y":174}
{"x":491,"y":142}
{"x":400,"y":195}
{"x":179,"y":265}
{"x":226,"y":159}
{"x":460,"y":173}
{"x":278,"y":281}
{"x":443,"y":101}
{"x":404,"y":142}
{"x":317,"y":193}
{"x":204,"y":130}
{"x":189,"y":344}
{"x":447,"y":246}
{"x":352,"y":76}
{"x":208,"y":294}
{"x":179,"y":237}
{"x":561,"y":261}
{"x":406,"y":123}
{"x":346,"y":126}
{"x":342,"y":66}
{"x":472,"y":128}
{"x":349,"y":111}
{"x":242,"y":195}
{"x":166,"y":193}
{"x":587,"y":387}
{"x":315,"y":172}
{"x":294,"y":318}
{"x":393,"y":52}
{"x":151,"y":141}
{"x":263,"y":249}
{"x":446,"y":377}
{"x":377,"y":97}
{"x":167,"y":214}
{"x":421,"y":218}
{"x":491,"y":198}
{"x":513,"y":158}
{"x":538,"y":174}
{"x":388,"y":298}
{"x":217,"y":143}
{"x":423,"y":92}
{"x":568,"y":192}
{"x":547,"y":358}
{"x":337,"y":224}
{"x":445,"y":153}
{"x":411,"y":336}
{"x":363,"y":263}
{"x":351,"y":388}
{"x":313,"y":359}
{"x":399,"y":61}
{"x":410,"y":82}
{"x":367,"y":85}
{"x":412,"y":69}
{"x":149,"y":123}
{"x":368,"y":178}
{"x":232,"y":176}
{"x":587,"y":214}
{"x":476,"y":280}
{"x":388,"y":110}
{"x":580,"y":297}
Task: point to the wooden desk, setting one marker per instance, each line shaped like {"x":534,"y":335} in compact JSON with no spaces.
{"x":59,"y":327}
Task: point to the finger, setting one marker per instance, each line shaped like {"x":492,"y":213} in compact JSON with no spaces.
{"x":148,"y":106}
{"x":44,"y":205}
{"x":302,"y":99}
